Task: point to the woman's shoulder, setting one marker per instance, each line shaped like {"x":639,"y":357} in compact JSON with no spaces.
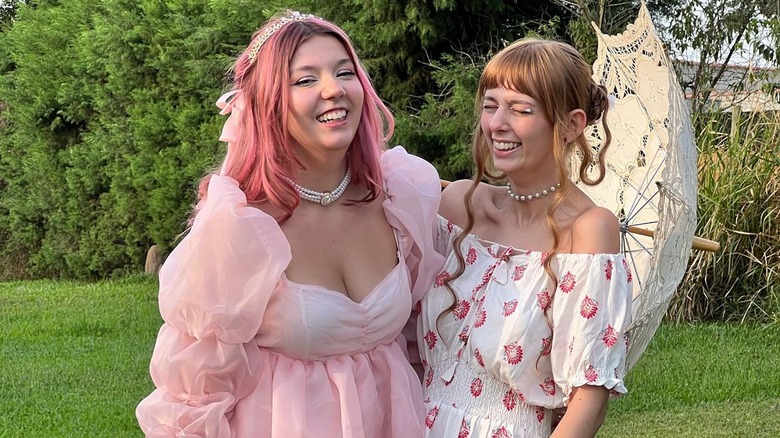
{"x":453,"y":201}
{"x":595,"y":230}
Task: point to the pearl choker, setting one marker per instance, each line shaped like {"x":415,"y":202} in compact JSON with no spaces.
{"x":323,"y":198}
{"x":536,"y":195}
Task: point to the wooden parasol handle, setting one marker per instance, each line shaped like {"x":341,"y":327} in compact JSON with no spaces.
{"x":699,"y":243}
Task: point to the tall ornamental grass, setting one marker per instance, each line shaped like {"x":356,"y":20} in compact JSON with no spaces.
{"x":739,"y":206}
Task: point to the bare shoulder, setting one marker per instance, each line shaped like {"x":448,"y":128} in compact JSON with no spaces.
{"x":596,"y":231}
{"x":453,"y":205}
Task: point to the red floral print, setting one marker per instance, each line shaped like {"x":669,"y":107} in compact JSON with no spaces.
{"x":476,"y":387}
{"x":471,"y":257}
{"x":510,"y":400}
{"x":464,"y":334}
{"x":546,"y":346}
{"x":503,"y":257}
{"x":441,"y":279}
{"x":545,"y":256}
{"x":449,"y":226}
{"x":429,"y":377}
{"x":519,"y":272}
{"x":629,"y":277}
{"x":567,"y":283}
{"x":464,"y":429}
{"x":540,"y":414}
{"x":610,"y":336}
{"x":431,"y":417}
{"x":608,"y":270}
{"x":544,"y":299}
{"x":461,"y":309}
{"x":548,"y":387}
{"x":509,"y":307}
{"x":481,"y":317}
{"x":501,"y":432}
{"x":478,"y":356}
{"x":430,"y":339}
{"x":589,"y":307}
{"x":513,"y":353}
{"x":485,"y":279}
{"x":591,"y":375}
{"x":418,"y":308}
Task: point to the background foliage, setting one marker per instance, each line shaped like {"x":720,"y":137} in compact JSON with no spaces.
{"x":107,"y":119}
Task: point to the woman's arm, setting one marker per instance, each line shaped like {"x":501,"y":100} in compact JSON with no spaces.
{"x":214,"y":289}
{"x":595,"y":231}
{"x":585,"y":414}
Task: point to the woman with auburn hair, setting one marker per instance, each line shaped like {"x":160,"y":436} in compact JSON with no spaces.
{"x":284,"y":303}
{"x":530,"y":312}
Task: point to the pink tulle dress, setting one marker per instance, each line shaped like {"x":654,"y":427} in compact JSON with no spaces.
{"x":244,"y":352}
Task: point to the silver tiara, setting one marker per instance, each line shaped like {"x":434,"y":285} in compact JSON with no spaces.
{"x":270,"y":30}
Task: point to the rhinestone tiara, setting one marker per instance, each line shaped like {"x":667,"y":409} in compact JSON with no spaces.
{"x":271,"y":29}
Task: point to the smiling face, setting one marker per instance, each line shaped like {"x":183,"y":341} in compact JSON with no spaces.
{"x":517,"y":133}
{"x":326,"y":98}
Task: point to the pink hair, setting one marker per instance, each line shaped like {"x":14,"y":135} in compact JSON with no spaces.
{"x":262,"y":158}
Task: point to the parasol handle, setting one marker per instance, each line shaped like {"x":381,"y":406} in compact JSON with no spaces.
{"x":699,"y":243}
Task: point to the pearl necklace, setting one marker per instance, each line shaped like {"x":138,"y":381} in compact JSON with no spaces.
{"x":536,"y":195}
{"x":323,"y":198}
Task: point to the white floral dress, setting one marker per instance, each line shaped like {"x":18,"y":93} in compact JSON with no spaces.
{"x":495,"y":366}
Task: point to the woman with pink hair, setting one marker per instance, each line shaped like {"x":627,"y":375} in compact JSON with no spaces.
{"x":284,"y":304}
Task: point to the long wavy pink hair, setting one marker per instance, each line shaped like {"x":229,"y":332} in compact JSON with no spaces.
{"x":262,"y":159}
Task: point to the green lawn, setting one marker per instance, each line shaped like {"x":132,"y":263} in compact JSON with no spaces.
{"x":74,"y":358}
{"x":74,"y":363}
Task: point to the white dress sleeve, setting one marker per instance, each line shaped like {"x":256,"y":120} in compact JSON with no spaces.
{"x":591,"y":311}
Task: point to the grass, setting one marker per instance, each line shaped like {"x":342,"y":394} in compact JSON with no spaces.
{"x":738,"y":206}
{"x":74,"y":357}
{"x":74,"y":361}
{"x":703,"y":380}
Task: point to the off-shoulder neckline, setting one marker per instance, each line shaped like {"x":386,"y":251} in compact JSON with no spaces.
{"x":496,"y":247}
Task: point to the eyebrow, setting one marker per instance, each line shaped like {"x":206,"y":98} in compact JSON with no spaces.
{"x":339,"y":63}
{"x":512,"y":102}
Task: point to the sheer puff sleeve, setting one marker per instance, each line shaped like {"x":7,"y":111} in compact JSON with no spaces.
{"x":214,"y":288}
{"x":591,"y":311}
{"x":415,"y":191}
{"x":412,"y":207}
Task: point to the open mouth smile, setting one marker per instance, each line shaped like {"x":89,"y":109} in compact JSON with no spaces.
{"x":332,"y":116}
{"x":506,"y":146}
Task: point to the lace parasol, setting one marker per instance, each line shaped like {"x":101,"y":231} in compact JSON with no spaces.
{"x":651,"y":169}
